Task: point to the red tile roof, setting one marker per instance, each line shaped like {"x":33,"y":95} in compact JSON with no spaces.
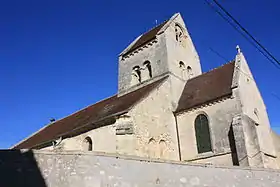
{"x":207,"y":87}
{"x":88,"y":116}
{"x":145,"y":38}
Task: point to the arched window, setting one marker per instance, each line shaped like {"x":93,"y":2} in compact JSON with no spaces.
{"x":162,"y":148}
{"x":202,"y":134}
{"x":182,"y":65}
{"x":183,"y":69}
{"x":87,"y":144}
{"x":178,"y":33}
{"x":135,"y":75}
{"x":189,"y":72}
{"x":147,"y":64}
{"x":152,"y":148}
{"x":146,"y":71}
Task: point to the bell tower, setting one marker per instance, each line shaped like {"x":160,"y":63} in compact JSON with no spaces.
{"x":165,"y":50}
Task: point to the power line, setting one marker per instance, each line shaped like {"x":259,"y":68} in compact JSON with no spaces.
{"x":276,"y":96}
{"x":242,"y":34}
{"x":246,"y":35}
{"x":218,"y":54}
{"x":246,"y":74}
{"x":225,"y":59}
{"x":249,"y":36}
{"x":246,"y":31}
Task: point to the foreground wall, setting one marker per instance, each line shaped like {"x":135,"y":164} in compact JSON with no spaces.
{"x":89,"y":169}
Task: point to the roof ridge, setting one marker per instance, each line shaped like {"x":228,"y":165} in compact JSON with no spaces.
{"x":218,"y":67}
{"x":164,"y":22}
{"x":144,"y":38}
{"x":209,"y":71}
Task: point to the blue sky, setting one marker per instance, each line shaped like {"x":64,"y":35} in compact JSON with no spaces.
{"x":59,"y":56}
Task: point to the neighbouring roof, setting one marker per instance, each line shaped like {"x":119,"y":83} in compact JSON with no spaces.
{"x":145,"y":38}
{"x":207,"y":87}
{"x":88,"y":116}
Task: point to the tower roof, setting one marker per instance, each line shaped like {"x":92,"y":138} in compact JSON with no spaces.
{"x":145,"y":38}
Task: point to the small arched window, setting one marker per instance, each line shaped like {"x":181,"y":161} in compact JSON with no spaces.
{"x":178,"y":33}
{"x":183,"y":69}
{"x":182,"y":65}
{"x":189,"y":72}
{"x":202,"y":133}
{"x":87,"y":144}
{"x":162,"y":148}
{"x":147,"y":65}
{"x":135,"y":75}
{"x":146,"y":71}
{"x":152,"y":148}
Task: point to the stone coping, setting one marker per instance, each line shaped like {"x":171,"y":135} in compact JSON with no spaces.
{"x":206,"y":155}
{"x":143,"y":159}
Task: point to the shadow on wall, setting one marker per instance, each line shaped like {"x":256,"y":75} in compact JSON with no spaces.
{"x":232,"y":144}
{"x":19,"y":169}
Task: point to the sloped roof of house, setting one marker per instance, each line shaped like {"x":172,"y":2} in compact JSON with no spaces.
{"x":146,"y":37}
{"x":109,"y":107}
{"x":207,"y":87}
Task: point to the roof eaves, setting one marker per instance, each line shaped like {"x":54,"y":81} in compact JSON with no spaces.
{"x":48,"y":125}
{"x":210,"y":71}
{"x":64,"y":135}
{"x":129,"y":46}
{"x":225,"y":96}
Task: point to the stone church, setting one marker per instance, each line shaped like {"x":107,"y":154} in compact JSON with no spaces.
{"x":166,"y":108}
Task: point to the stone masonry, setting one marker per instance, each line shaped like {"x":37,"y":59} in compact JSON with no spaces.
{"x":72,"y":169}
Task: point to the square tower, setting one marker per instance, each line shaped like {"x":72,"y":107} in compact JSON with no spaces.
{"x":166,"y":49}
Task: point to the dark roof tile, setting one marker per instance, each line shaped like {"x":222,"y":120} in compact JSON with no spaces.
{"x":105,"y":108}
{"x":145,"y":38}
{"x":207,"y":87}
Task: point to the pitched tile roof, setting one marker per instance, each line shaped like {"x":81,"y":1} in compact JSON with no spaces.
{"x":207,"y":87}
{"x":89,"y":115}
{"x":145,"y":38}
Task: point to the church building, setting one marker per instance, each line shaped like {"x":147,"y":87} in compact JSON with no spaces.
{"x":166,"y":108}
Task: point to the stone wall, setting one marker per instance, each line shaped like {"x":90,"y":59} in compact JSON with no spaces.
{"x":154,"y":127}
{"x":181,"y":56}
{"x":98,"y":137}
{"x":183,"y":51}
{"x":253,"y":105}
{"x":154,"y":52}
{"x":220,"y":115}
{"x":164,"y":54}
{"x":276,"y":141}
{"x":73,"y":169}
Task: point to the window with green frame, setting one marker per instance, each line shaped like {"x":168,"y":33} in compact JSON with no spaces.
{"x":202,"y":133}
